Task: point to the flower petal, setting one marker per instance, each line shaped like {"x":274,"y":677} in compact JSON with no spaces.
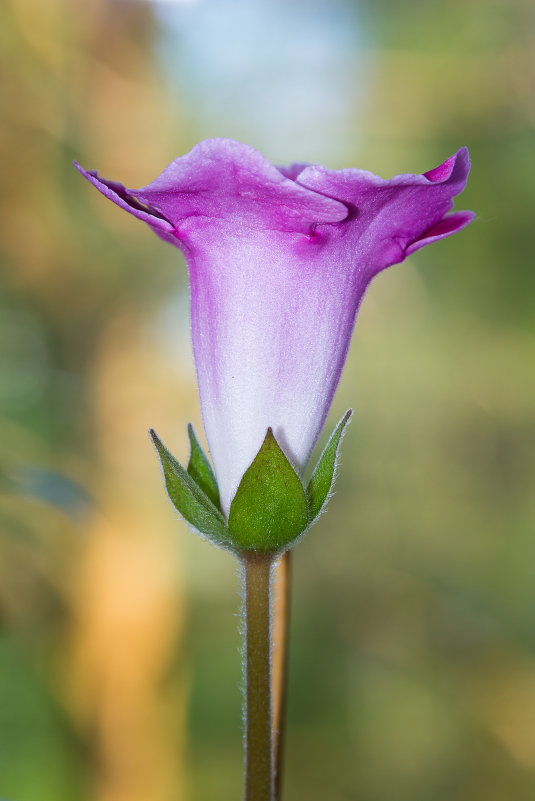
{"x":126,"y":199}
{"x":448,"y":225}
{"x":293,"y":171}
{"x":387,"y":217}
{"x":271,"y":319}
{"x":221,"y":181}
{"x":227,"y":181}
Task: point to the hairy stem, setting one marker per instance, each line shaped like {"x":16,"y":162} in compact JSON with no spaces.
{"x":258,"y":704}
{"x":281,"y":625}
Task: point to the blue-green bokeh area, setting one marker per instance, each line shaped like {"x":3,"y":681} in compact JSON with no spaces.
{"x":412,"y":673}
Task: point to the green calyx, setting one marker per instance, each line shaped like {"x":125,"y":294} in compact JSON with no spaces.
{"x":201,"y":471}
{"x":188,"y":498}
{"x":271,"y":507}
{"x":323,"y":477}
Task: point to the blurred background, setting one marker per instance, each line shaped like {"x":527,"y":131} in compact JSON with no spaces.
{"x":412,"y":671}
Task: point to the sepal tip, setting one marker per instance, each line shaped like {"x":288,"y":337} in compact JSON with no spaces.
{"x":189,"y":498}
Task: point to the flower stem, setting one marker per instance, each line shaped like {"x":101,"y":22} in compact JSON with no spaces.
{"x":258,"y":707}
{"x":281,"y":626}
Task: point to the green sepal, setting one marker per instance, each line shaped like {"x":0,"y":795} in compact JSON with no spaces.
{"x":270,"y":508}
{"x":323,"y":476}
{"x":201,"y":471}
{"x":189,"y":499}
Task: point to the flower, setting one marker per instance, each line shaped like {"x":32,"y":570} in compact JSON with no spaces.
{"x":279,"y":260}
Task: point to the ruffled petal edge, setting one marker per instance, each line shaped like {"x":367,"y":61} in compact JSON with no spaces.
{"x":448,"y":225}
{"x":127,"y":200}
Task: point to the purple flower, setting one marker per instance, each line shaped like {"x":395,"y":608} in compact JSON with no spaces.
{"x":279,"y":260}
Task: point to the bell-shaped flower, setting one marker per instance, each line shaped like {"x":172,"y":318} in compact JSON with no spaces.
{"x":279,"y":260}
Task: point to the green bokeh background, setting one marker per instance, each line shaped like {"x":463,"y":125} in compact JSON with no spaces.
{"x":412,"y":673}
